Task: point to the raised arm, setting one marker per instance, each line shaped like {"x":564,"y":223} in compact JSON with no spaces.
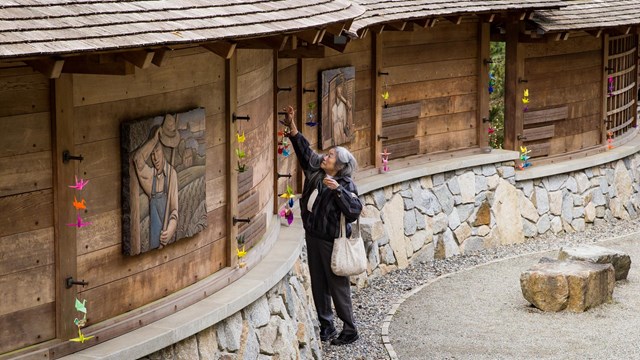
{"x":309,"y":160}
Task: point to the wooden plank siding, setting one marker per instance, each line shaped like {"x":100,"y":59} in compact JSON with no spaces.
{"x":188,"y":79}
{"x":357,"y":54}
{"x":437,"y":67}
{"x":287,"y":78}
{"x":256,"y":99}
{"x":27,"y":248}
{"x":565,"y":94}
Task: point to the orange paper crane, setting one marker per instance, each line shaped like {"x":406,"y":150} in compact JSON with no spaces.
{"x":79,"y":205}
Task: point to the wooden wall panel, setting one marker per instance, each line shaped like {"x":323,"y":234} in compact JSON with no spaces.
{"x":27,"y":273}
{"x":357,"y":54}
{"x":256,"y":86}
{"x":117,"y":284}
{"x":287,"y":77}
{"x":566,"y":74}
{"x":437,"y":67}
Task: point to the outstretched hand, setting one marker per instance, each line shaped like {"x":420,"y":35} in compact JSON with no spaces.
{"x":288,"y":117}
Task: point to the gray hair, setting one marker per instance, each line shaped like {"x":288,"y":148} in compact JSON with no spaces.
{"x":346,"y":163}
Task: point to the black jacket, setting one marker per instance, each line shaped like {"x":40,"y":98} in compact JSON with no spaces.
{"x":324,"y":219}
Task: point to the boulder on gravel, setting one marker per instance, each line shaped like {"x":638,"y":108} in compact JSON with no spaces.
{"x":600,"y":255}
{"x":572,"y":285}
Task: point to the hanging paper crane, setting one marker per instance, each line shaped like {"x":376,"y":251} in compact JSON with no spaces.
{"x":385,"y":160}
{"x":610,"y":140}
{"x":80,"y":184}
{"x":79,"y":205}
{"x":525,"y":100}
{"x":311,"y":114}
{"x":611,"y":87}
{"x":524,"y":158}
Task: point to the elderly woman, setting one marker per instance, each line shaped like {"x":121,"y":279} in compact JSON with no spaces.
{"x":328,"y":192}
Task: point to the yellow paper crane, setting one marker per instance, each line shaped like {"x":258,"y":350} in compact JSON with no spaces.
{"x":385,"y":95}
{"x":81,"y":338}
{"x":241,"y":253}
{"x":241,"y":138}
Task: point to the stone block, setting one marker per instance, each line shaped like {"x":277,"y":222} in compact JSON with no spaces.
{"x":572,"y":285}
{"x":371,"y":229}
{"x":600,"y":255}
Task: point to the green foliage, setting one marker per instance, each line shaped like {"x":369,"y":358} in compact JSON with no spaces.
{"x":496,"y":102}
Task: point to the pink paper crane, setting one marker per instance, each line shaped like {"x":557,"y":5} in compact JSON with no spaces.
{"x":79,"y":184}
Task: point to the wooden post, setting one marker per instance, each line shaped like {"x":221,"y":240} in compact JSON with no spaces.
{"x":604,"y":87}
{"x":376,"y":99}
{"x":484,"y":54}
{"x":65,"y":236}
{"x":514,"y":70}
{"x":274,"y":135}
{"x":231,"y":105}
{"x":299,"y":115}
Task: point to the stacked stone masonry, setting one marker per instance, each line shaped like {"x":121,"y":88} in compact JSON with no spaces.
{"x":467,"y":210}
{"x":279,"y":325}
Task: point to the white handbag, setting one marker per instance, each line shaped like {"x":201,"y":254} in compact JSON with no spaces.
{"x":349,"y":256}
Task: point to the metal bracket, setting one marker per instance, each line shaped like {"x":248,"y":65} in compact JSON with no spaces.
{"x":284,"y":175}
{"x":235,"y":117}
{"x":380,"y":73}
{"x":284,"y":88}
{"x":486,"y":120}
{"x":521,"y":137}
{"x":237,"y":220}
{"x":487,"y":61}
{"x":70,"y":282}
{"x":66,"y":156}
{"x":520,"y":81}
{"x":304,"y":91}
{"x":383,"y":138}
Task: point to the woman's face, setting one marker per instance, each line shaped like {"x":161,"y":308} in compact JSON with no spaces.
{"x":329,"y":161}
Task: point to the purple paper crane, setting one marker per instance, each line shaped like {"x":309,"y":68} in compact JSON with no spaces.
{"x":79,"y":223}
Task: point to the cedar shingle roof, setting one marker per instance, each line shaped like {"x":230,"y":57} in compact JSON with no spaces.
{"x":379,"y":12}
{"x":48,"y":27}
{"x":589,"y":15}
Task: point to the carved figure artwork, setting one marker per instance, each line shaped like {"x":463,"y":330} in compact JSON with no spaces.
{"x":337,"y":94}
{"x":163,"y":185}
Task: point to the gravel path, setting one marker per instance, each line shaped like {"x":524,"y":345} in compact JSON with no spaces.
{"x":372,"y":303}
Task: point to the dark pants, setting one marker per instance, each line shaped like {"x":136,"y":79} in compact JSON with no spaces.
{"x":325,"y":285}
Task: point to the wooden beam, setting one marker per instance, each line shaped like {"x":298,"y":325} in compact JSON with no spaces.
{"x":221,"y":48}
{"x":231,"y":105}
{"x":277,"y":42}
{"x":65,"y":236}
{"x":141,"y":59}
{"x":301,"y":52}
{"x":454,"y":19}
{"x":335,"y":29}
{"x":562,"y":36}
{"x":514,"y":66}
{"x":484,"y":53}
{"x":376,"y":99}
{"x":51,"y":68}
{"x":338,"y":43}
{"x":395,"y":26}
{"x":98,"y":65}
{"x":423,"y":23}
{"x":488,"y":18}
{"x":300,"y":83}
{"x":523,"y":16}
{"x":604,"y":89}
{"x":312,"y":36}
{"x":159,"y":57}
{"x":376,"y":29}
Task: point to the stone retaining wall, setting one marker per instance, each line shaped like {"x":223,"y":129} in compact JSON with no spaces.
{"x":437,"y":216}
{"x":279,"y":325}
{"x":467,"y":210}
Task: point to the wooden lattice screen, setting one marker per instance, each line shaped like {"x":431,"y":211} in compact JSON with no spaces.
{"x":621,"y":65}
